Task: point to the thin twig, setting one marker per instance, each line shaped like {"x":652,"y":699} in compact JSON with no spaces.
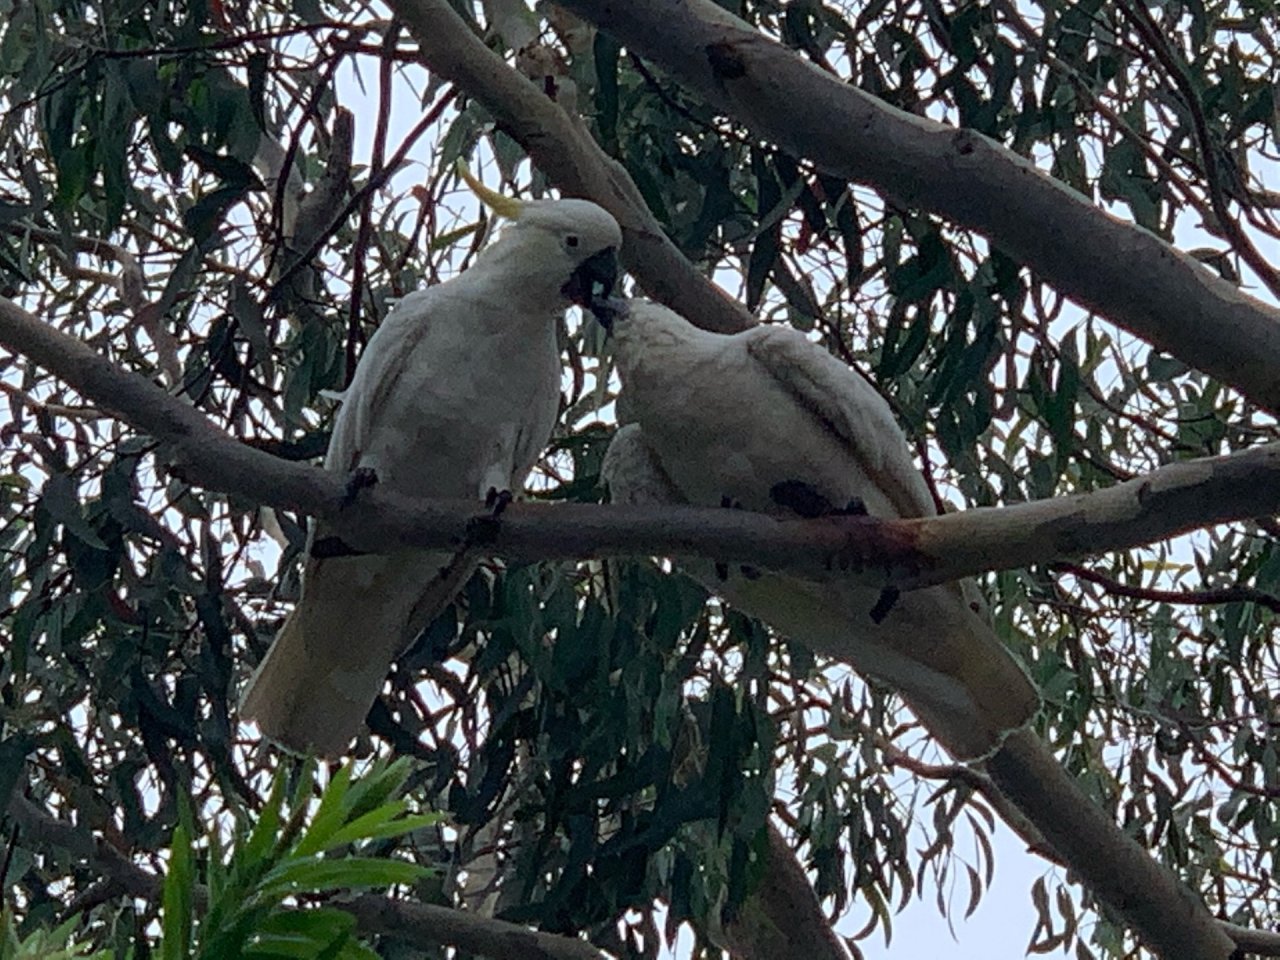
{"x":1237,"y":594}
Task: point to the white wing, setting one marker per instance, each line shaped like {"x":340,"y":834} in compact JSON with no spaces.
{"x":941,"y":656}
{"x":376,"y":376}
{"x":851,"y":407}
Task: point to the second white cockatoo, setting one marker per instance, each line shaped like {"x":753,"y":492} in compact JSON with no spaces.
{"x":766,"y":420}
{"x":455,"y":395}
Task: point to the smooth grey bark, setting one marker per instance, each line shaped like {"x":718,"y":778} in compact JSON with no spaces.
{"x":1119,"y":270}
{"x":907,"y":553}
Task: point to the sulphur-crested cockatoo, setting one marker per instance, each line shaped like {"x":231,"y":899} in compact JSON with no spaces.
{"x":769,"y":421}
{"x":455,"y":396}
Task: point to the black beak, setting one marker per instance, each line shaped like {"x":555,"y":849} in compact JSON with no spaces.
{"x":594,"y":278}
{"x":607,"y":310}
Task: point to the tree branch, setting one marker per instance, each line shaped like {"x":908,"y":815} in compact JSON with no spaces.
{"x":566,"y":153}
{"x":783,"y":917}
{"x":1119,"y":270}
{"x":425,"y":926}
{"x":981,"y":784}
{"x":1261,"y":943}
{"x":905,"y":553}
{"x":1164,"y":912}
{"x":1236,"y":594}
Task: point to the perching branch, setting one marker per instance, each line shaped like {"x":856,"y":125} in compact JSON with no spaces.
{"x":570,"y":158}
{"x":1119,"y":270}
{"x":906,"y":553}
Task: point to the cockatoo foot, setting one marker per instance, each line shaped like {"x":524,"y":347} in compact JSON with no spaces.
{"x":802,"y":498}
{"x":483,"y":529}
{"x":498,"y":500}
{"x":888,"y":597}
{"x":361,"y":478}
{"x":722,"y":569}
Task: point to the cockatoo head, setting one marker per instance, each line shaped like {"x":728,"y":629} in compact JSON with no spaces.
{"x":568,"y":246}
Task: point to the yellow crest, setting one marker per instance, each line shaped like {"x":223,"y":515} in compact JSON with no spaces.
{"x":508,"y":207}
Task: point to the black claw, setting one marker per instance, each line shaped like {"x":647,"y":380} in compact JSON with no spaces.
{"x":483,"y":529}
{"x":361,"y":478}
{"x":751,"y":573}
{"x":722,"y":571}
{"x":328,"y":547}
{"x":855,"y":508}
{"x":802,"y":498}
{"x":888,"y":597}
{"x":498,"y":500}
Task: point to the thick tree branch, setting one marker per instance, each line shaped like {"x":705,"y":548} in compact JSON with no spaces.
{"x":566,"y":153}
{"x":1119,"y":270}
{"x":1168,"y":917}
{"x":907,"y":553}
{"x":783,"y":917}
{"x":426,"y":925}
{"x":1259,"y":943}
{"x":422,"y":925}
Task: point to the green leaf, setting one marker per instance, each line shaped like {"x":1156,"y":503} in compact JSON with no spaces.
{"x":13,"y":758}
{"x":606,"y":51}
{"x":345,"y":873}
{"x":383,"y":823}
{"x":305,"y":934}
{"x":179,"y":883}
{"x":1163,"y":368}
{"x":59,"y":498}
{"x":330,"y":815}
{"x":262,"y":837}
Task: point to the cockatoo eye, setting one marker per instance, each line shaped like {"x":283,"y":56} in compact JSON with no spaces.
{"x":572,"y":241}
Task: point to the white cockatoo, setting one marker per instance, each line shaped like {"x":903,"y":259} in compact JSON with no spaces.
{"x":769,"y":421}
{"x":455,"y":395}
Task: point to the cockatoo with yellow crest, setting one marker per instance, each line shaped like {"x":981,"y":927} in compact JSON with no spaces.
{"x":455,"y":395}
{"x":768,"y":421}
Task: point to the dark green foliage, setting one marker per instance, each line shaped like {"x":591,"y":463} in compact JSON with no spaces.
{"x":603,"y":733}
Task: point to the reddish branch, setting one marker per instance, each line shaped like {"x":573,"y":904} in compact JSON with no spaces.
{"x":1237,"y":594}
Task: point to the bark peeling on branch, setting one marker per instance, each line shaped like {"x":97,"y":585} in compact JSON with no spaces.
{"x":902,"y":553}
